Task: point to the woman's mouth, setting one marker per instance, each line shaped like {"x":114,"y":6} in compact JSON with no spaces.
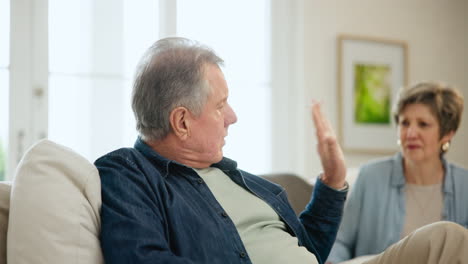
{"x":412,"y":146}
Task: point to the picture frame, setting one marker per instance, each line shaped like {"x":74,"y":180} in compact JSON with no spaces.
{"x":371,"y":71}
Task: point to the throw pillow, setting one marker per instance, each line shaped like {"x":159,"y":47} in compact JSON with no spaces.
{"x":54,"y":208}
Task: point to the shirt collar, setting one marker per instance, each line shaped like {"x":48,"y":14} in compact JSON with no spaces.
{"x":153,"y":156}
{"x":225,"y":164}
{"x":448,"y":177}
{"x":398,"y":175}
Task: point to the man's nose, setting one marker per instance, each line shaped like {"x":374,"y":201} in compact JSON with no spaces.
{"x":230,"y":117}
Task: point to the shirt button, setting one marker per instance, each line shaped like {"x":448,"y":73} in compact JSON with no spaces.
{"x":224,"y":214}
{"x":242,"y":254}
{"x":200,"y":180}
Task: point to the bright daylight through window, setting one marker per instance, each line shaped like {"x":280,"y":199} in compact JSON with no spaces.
{"x":93,"y":50}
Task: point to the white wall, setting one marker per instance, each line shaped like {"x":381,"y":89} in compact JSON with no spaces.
{"x":437,"y":37}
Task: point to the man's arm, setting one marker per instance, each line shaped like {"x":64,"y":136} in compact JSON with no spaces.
{"x":331,"y":155}
{"x":322,"y":216}
{"x":343,"y":249}
{"x":132,"y":220}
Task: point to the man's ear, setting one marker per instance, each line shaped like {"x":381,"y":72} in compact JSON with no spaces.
{"x":180,"y":122}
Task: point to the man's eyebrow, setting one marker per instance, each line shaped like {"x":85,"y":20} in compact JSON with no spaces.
{"x":223,"y":100}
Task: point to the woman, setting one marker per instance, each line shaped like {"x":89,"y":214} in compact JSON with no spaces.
{"x":396,"y":195}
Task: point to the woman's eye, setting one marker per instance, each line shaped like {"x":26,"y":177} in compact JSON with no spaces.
{"x":423,"y":124}
{"x":404,"y":123}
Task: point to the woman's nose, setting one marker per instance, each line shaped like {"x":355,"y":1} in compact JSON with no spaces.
{"x":411,"y":131}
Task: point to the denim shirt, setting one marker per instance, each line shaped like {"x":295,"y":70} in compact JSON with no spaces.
{"x":156,"y":210}
{"x":375,"y":211}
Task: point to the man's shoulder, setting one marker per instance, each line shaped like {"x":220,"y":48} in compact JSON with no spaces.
{"x":128,"y":165}
{"x":126,"y":159}
{"x":123,"y":154}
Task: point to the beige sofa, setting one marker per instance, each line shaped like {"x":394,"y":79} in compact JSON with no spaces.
{"x":49,"y":213}
{"x":299,"y":190}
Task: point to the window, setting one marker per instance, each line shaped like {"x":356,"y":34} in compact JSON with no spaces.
{"x":4,"y":83}
{"x":82,"y":99}
{"x":244,"y":44}
{"x":94,"y":48}
{"x":93,"y":51}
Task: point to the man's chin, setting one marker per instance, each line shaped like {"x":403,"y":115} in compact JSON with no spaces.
{"x":219,"y":157}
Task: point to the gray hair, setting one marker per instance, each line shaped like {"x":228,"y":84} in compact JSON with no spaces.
{"x":170,"y":74}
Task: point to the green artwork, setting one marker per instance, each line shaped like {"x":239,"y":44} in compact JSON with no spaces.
{"x":2,"y":162}
{"x":372,"y":93}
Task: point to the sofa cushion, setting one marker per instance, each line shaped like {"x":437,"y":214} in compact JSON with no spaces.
{"x":54,"y":208}
{"x":5,"y":188}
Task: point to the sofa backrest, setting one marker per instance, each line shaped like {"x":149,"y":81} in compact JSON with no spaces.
{"x":299,"y":191}
{"x":54,"y":208}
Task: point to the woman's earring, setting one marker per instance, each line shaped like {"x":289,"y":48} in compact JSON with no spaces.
{"x":446,"y":146}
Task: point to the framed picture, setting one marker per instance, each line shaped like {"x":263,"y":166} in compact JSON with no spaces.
{"x":370,"y":73}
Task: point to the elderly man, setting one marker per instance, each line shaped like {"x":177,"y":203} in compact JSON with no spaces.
{"x":174,"y":198}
